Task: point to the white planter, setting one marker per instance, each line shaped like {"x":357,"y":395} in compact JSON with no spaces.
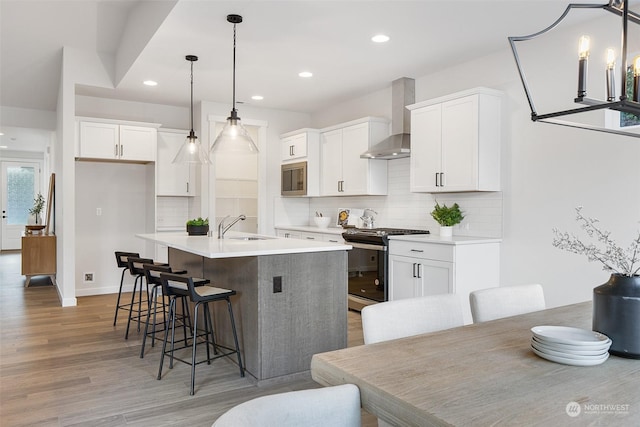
{"x":446,"y":231}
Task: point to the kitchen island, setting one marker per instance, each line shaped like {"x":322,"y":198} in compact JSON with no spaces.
{"x":291,"y":295}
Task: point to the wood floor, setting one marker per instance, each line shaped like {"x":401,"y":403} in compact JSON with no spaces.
{"x":71,"y":367}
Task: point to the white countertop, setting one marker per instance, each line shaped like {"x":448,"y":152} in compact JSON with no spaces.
{"x":231,"y":246}
{"x":455,"y":240}
{"x":311,"y":229}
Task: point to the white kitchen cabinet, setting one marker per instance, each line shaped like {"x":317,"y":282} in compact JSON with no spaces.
{"x":297,"y":233}
{"x":294,"y":146}
{"x":415,"y":277}
{"x":173,"y":179}
{"x":289,"y":234}
{"x":432,"y":266}
{"x":342,"y":171}
{"x":303,"y":145}
{"x":119,"y":141}
{"x":456,"y":142}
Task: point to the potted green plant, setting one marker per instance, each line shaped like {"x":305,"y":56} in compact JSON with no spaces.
{"x":36,"y":210}
{"x":198,"y":227}
{"x":447,"y":217}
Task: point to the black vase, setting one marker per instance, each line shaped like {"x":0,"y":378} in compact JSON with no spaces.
{"x":197,"y":230}
{"x":616,"y":313}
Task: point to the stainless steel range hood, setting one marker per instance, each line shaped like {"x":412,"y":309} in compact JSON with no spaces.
{"x":398,"y":145}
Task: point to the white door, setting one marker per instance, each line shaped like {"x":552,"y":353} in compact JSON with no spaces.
{"x":20,"y":185}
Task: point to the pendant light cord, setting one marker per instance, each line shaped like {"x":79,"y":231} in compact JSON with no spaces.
{"x":191,"y":112}
{"x":234,"y":67}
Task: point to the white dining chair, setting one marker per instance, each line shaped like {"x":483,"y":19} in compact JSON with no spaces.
{"x":337,"y":406}
{"x":505,"y":301}
{"x":412,"y":316}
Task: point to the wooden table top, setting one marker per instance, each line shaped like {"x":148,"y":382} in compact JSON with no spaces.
{"x":485,"y":374}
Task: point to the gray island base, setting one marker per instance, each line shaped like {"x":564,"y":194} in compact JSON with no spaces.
{"x":279,"y":331}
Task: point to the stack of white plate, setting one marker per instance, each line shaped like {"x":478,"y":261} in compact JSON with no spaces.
{"x":570,"y":346}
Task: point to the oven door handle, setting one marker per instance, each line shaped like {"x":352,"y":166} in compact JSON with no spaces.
{"x":367,"y":246}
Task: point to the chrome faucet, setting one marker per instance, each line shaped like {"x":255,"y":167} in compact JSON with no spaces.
{"x":222,"y":229}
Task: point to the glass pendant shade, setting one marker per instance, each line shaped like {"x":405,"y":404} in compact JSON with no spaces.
{"x":192,"y":151}
{"x":234,"y":138}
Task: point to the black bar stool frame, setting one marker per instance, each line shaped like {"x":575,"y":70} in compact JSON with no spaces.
{"x":122,"y":261}
{"x":175,"y":284}
{"x":152,"y":274}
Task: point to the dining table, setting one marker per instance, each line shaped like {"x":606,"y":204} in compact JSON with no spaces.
{"x":486,"y":374}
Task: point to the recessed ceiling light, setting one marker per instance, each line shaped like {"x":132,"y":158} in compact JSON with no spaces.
{"x":150,"y":83}
{"x":257,"y":97}
{"x":305,"y":74}
{"x":380,"y":38}
{"x":3,"y":146}
{"x":1,"y":133}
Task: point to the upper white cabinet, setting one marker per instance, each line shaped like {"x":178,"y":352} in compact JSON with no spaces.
{"x":173,"y":179}
{"x":456,"y":142}
{"x":303,"y":145}
{"x":121,"y":141}
{"x":342,"y":171}
{"x":295,"y":146}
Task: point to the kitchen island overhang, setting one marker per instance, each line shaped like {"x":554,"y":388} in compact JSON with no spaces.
{"x":291,"y":298}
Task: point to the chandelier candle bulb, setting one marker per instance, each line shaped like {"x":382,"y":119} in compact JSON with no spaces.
{"x":636,"y":79}
{"x":583,"y":55}
{"x":611,"y":63}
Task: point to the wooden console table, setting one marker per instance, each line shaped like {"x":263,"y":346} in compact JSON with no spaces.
{"x":38,"y":256}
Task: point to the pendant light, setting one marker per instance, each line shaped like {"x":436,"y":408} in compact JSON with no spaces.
{"x":234,"y":137}
{"x":192,"y":151}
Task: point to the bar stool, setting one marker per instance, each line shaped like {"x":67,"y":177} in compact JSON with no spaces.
{"x":136,"y":269}
{"x":152,"y":275}
{"x":121,"y":259}
{"x":176,"y":285}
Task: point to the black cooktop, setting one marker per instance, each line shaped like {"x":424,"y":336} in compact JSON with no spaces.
{"x":377,"y":235}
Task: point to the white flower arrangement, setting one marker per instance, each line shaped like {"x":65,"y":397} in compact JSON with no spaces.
{"x":613,"y":258}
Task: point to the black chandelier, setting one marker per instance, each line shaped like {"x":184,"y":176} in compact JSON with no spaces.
{"x":596,"y":105}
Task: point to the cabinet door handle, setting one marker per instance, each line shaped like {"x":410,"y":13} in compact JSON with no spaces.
{"x":417,"y":250}
{"x":115,"y":153}
{"x":333,"y":241}
{"x":441,"y":179}
{"x":311,"y":238}
{"x":437,"y":180}
{"x":187,"y":187}
{"x":291,"y":152}
{"x":413,"y":270}
{"x":419,"y":272}
{"x":121,"y":149}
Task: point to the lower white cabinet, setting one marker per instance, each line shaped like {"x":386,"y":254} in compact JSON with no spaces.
{"x":418,"y":268}
{"x":308,"y":235}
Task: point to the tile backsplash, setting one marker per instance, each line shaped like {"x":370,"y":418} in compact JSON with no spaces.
{"x":172,"y":212}
{"x":402,"y":208}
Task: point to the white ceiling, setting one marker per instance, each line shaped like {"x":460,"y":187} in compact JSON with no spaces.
{"x":277,"y":40}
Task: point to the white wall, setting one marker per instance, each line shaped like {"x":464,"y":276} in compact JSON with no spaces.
{"x":547,"y":171}
{"x":119,"y":190}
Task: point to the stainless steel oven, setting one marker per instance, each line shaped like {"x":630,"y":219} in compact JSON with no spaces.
{"x":368,"y":264}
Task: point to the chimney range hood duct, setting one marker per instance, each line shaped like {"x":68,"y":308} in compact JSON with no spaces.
{"x":398,"y":145}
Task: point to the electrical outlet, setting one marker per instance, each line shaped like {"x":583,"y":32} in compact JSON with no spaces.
{"x":88,"y":277}
{"x":277,"y":284}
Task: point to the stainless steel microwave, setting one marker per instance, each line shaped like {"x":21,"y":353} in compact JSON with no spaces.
{"x":294,"y":179}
